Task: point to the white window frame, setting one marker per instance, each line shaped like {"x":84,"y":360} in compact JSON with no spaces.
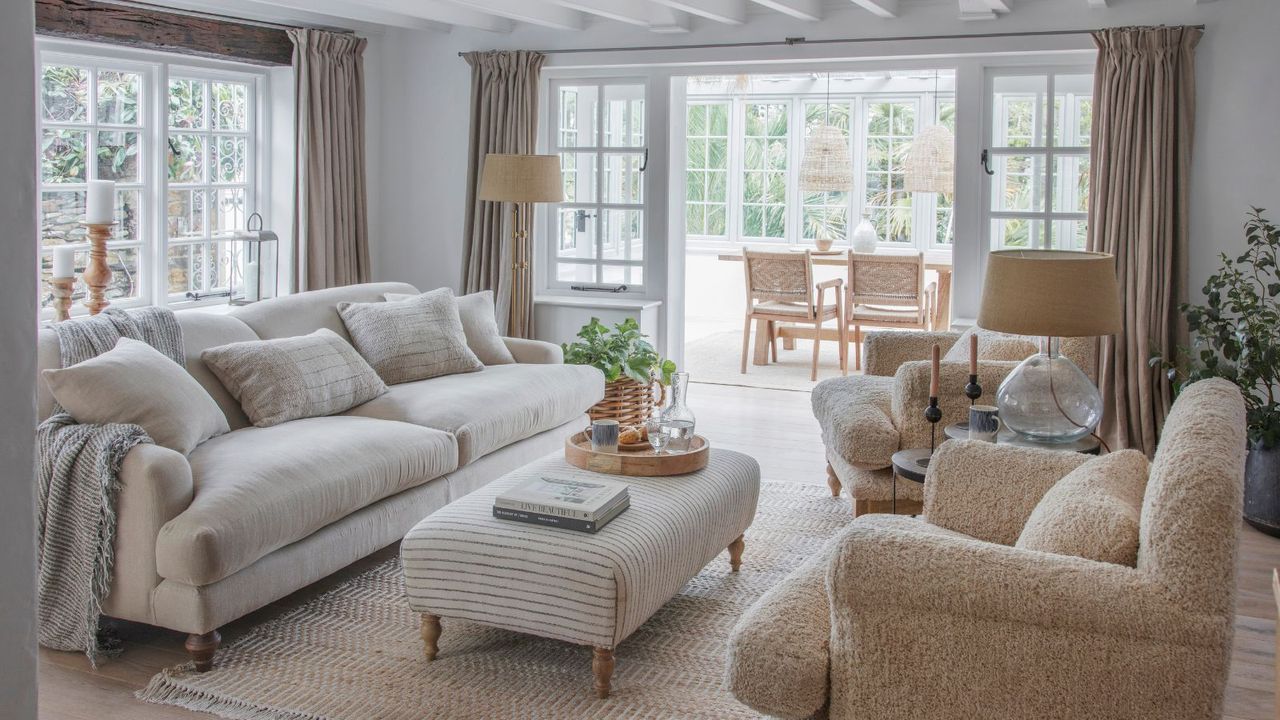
{"x":155,"y":69}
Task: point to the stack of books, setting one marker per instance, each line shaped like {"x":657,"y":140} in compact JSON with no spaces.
{"x":582,"y":505}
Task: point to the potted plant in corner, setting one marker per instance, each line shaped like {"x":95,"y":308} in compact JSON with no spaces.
{"x":631,"y":367}
{"x":1236,"y":335}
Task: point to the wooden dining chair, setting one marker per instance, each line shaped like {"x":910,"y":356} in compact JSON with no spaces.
{"x":780,"y":289}
{"x":887,"y":291}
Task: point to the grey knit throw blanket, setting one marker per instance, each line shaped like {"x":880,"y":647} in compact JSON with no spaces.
{"x":79,"y":474}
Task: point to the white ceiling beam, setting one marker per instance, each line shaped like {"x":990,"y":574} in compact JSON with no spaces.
{"x":526,"y":11}
{"x":810,"y":10}
{"x":976,"y":10}
{"x":729,"y":12}
{"x":409,"y":11}
{"x":1098,"y":3}
{"x":666,"y":20}
{"x":627,"y":11}
{"x":879,"y":8}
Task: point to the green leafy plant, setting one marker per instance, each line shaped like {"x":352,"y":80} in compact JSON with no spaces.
{"x":621,"y":351}
{"x":1236,"y":332}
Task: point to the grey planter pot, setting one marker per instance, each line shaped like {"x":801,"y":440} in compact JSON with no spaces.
{"x":1262,"y":489}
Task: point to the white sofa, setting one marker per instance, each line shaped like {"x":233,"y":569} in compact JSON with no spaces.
{"x":255,"y":514}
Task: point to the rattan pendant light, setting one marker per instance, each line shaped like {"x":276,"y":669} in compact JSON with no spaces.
{"x":827,"y":165}
{"x":931,"y":165}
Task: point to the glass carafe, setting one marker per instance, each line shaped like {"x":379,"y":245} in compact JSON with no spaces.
{"x":677,"y":420}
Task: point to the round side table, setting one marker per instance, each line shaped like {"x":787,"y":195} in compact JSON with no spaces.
{"x":1088,"y":445}
{"x":910,"y":464}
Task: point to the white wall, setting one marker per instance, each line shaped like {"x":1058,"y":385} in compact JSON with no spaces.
{"x":425,"y":89}
{"x":18,"y":360}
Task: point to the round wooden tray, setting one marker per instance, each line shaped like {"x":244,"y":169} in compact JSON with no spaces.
{"x":643,"y":463}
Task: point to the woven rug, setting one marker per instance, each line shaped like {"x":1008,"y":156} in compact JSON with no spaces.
{"x":717,"y":359}
{"x":354,"y":653}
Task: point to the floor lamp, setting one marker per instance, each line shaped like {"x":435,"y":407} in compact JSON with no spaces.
{"x":521,"y":180}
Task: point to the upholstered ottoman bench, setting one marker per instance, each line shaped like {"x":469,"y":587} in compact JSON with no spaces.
{"x":589,"y":589}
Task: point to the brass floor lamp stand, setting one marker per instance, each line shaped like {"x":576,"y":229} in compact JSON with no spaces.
{"x":521,"y":283}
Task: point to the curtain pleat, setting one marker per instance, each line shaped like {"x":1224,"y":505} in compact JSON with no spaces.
{"x":504,"y":119}
{"x":331,"y":227}
{"x":1143,"y":122}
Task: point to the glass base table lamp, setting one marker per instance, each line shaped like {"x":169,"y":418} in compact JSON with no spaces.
{"x":1051,"y":294}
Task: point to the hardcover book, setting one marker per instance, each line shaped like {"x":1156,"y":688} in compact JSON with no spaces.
{"x":564,"y":497}
{"x":588,"y":526}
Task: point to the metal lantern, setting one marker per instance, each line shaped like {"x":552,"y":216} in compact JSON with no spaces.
{"x":258,"y":253}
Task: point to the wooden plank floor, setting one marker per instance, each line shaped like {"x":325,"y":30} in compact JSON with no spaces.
{"x":776,"y":427}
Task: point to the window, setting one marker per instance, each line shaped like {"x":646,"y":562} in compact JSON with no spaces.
{"x":180,"y":144}
{"x":1040,"y":159}
{"x":765,"y":147}
{"x":890,"y":128}
{"x":707,"y":171}
{"x":825,"y":214}
{"x":599,"y":230}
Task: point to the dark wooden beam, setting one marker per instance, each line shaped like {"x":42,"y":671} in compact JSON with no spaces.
{"x":159,"y":30}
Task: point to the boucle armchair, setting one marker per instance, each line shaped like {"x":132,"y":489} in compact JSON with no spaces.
{"x":866,"y":418}
{"x":942,"y":617}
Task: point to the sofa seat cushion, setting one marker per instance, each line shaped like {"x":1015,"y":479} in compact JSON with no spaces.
{"x":259,"y":489}
{"x":492,"y":408}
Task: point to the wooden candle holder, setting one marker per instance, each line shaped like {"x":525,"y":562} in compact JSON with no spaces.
{"x":62,"y":289}
{"x":97,"y":274}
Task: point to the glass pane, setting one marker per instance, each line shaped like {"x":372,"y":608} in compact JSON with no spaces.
{"x":1070,"y":234}
{"x":1017,"y":233}
{"x":64,"y":93}
{"x":1018,"y":183}
{"x":622,"y":233}
{"x":1071,"y":183}
{"x":129,"y":215}
{"x":695,"y":219}
{"x":577,"y":233}
{"x":118,"y":97}
{"x":65,"y":156}
{"x":186,"y":213}
{"x":575,"y":272}
{"x":186,"y":104}
{"x":1018,"y":107}
{"x":824,"y":221}
{"x":118,"y":157}
{"x":893,"y":222}
{"x":61,"y":212}
{"x":817,"y":114}
{"x":228,"y":211}
{"x":184,"y":268}
{"x":945,"y":234}
{"x":230,"y":106}
{"x":228,"y":156}
{"x":186,"y":158}
{"x":578,"y":172}
{"x":578,"y":116}
{"x":1073,"y":110}
{"x":225,"y":263}
{"x":623,"y":275}
{"x":718,"y":119}
{"x":623,"y":121}
{"x":716,"y":220}
{"x":125,"y":277}
{"x":623,"y":181}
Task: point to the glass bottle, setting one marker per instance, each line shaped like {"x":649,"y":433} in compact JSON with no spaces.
{"x":677,"y":420}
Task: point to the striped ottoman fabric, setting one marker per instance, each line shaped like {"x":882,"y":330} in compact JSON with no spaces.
{"x":461,"y":562}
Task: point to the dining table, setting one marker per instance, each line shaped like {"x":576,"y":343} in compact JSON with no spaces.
{"x":840,"y":258}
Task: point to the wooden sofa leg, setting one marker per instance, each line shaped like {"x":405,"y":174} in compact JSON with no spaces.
{"x":602,"y":668}
{"x":201,"y":648}
{"x":430,"y":635}
{"x":833,"y":481}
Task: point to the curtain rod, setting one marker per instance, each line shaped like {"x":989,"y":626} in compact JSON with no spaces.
{"x":804,"y":41}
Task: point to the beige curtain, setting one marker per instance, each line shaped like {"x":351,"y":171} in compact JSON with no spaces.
{"x":331,"y":228}
{"x":504,"y":119}
{"x":1143,"y":116}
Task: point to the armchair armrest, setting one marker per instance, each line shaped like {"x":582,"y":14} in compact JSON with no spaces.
{"x":155,"y":487}
{"x":911,"y":395}
{"x":885,"y":351}
{"x":534,"y":352}
{"x":832,"y":283}
{"x":988,"y":491}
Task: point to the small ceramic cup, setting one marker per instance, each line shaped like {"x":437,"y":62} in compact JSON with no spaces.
{"x":604,"y":436}
{"x":984,"y":422}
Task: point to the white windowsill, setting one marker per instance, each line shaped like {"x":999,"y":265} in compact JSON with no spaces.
{"x":600,"y":302}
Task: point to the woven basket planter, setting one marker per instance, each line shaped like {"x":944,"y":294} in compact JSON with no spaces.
{"x":628,"y":402}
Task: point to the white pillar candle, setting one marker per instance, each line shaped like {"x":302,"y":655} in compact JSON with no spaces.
{"x":64,"y":262}
{"x":251,"y":284}
{"x":101,"y":208}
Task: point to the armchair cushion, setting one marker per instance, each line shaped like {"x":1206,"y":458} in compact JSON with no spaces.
{"x":1093,"y":512}
{"x":911,"y":395}
{"x":855,"y":416}
{"x":884,"y":351}
{"x":991,"y":346}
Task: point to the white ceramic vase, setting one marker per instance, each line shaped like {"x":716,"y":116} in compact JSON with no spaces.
{"x":864,"y":237}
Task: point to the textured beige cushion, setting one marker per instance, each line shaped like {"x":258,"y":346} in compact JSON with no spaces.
{"x":259,"y":489}
{"x":855,"y":414}
{"x":290,"y":378}
{"x":991,"y":346}
{"x":495,"y":407}
{"x":304,"y":312}
{"x":412,"y":339}
{"x":135,"y":383}
{"x":480,"y":325}
{"x":1093,"y":512}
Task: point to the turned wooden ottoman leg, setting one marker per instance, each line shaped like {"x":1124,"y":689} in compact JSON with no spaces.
{"x":735,"y":553}
{"x":430,"y":635}
{"x":201,"y":648}
{"x":833,"y":481}
{"x":602,"y":667}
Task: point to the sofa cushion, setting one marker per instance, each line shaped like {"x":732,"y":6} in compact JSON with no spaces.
{"x":494,"y":407}
{"x":259,"y":489}
{"x":1093,"y":512}
{"x":480,"y":324}
{"x":413,"y":339}
{"x":304,"y":312}
{"x":855,"y":414}
{"x":992,"y":345}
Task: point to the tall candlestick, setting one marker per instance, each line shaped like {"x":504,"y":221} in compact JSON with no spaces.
{"x":935,"y":370}
{"x":972,"y":389}
{"x":97,"y":276}
{"x":101,"y":206}
{"x":62,"y":288}
{"x":64,"y":262}
{"x":973,"y":354}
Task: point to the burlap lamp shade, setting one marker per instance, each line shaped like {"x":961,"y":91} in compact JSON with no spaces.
{"x":521,"y":178}
{"x":1050,"y":293}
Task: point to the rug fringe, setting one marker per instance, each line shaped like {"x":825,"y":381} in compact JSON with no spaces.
{"x":164,"y":690}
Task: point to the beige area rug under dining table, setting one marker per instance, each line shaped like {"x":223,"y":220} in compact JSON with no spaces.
{"x":354,"y":653}
{"x":717,"y":359}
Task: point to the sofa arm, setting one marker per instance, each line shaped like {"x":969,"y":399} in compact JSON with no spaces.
{"x":778,"y":661}
{"x":855,"y":415}
{"x":534,"y":352}
{"x":156,"y":487}
{"x":883,"y":351}
{"x":988,"y":491}
{"x":911,"y":396}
